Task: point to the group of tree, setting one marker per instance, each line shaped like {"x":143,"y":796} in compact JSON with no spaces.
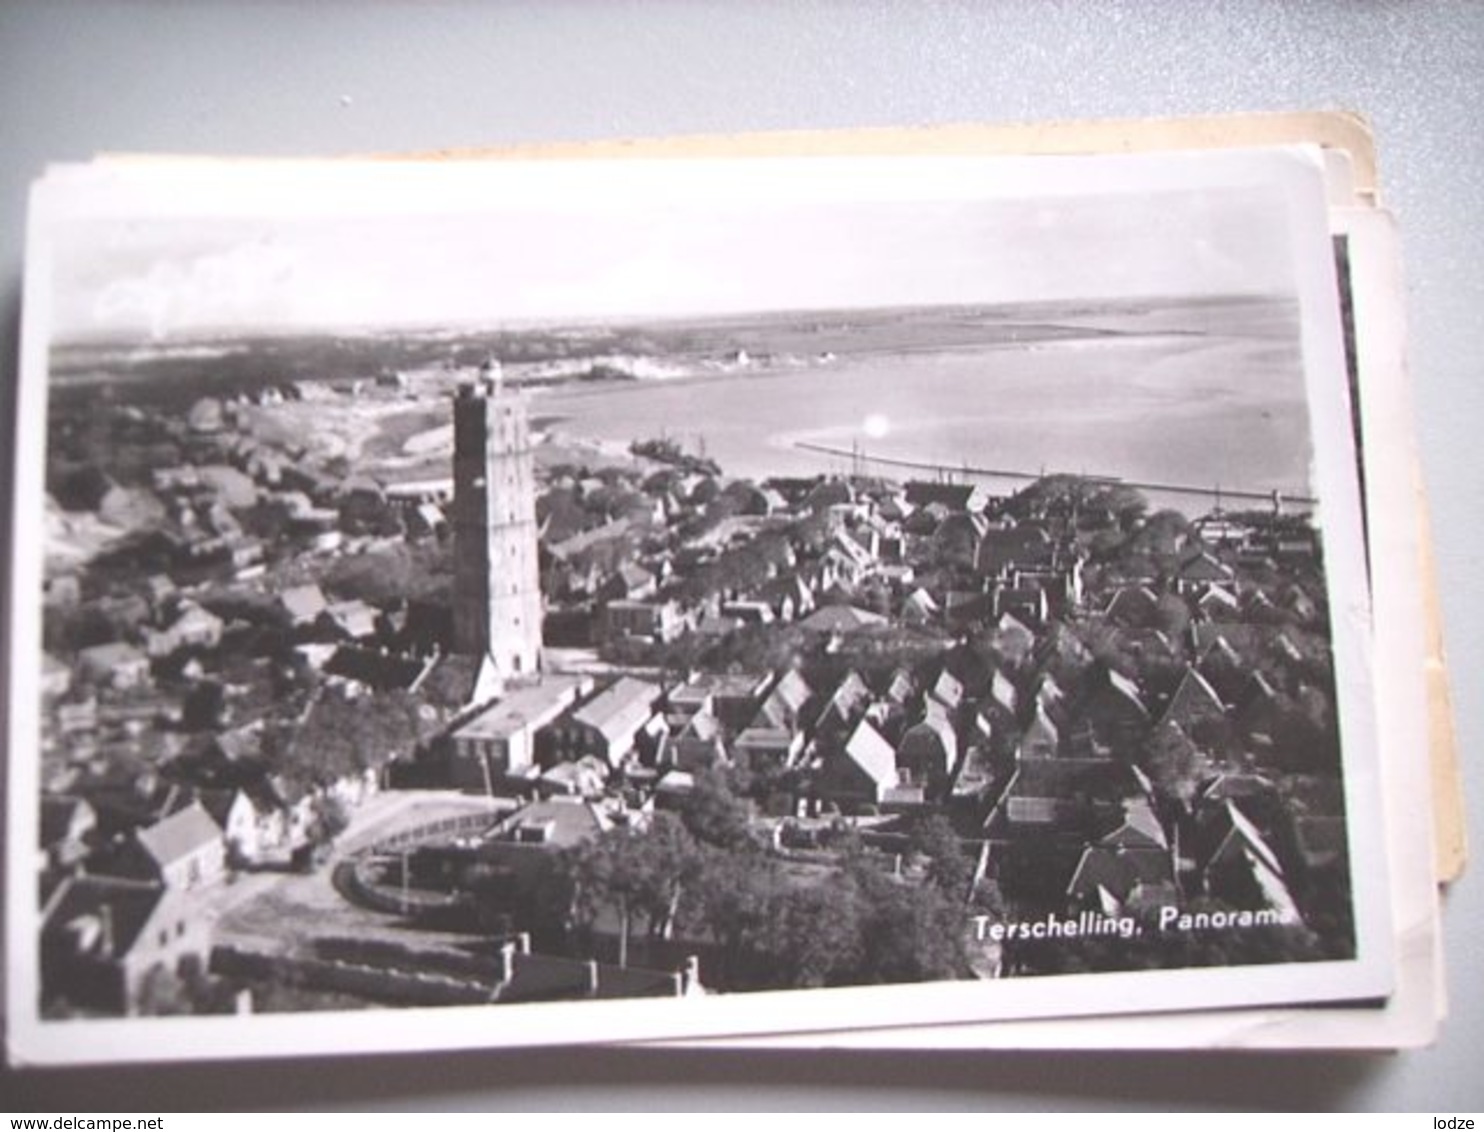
{"x":764,"y":922}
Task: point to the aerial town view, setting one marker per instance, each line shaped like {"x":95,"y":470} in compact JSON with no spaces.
{"x":695,"y":657}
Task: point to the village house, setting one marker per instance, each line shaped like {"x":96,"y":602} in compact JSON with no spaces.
{"x":182,"y":850}
{"x":607,"y":726}
{"x":1201,"y":569}
{"x":846,"y":704}
{"x":585,"y":778}
{"x":1013,"y":640}
{"x":928,"y":751}
{"x":195,"y":628}
{"x":761,"y":745}
{"x":651,"y":620}
{"x":302,"y":605}
{"x":841,"y":619}
{"x":103,"y":939}
{"x":115,"y":665}
{"x":349,"y":620}
{"x":952,"y":496}
{"x":956,"y":540}
{"x":862,"y":771}
{"x":786,"y":705}
{"x":56,"y":677}
{"x":698,"y":744}
{"x":1236,"y":864}
{"x":66,"y":824}
{"x":1026,"y":546}
{"x":500,"y":742}
{"x":1113,"y":715}
{"x":1194,"y":703}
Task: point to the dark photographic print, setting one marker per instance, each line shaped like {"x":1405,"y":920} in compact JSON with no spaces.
{"x":828,"y":593}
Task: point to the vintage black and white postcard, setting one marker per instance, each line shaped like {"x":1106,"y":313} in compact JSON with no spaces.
{"x":491,"y":604}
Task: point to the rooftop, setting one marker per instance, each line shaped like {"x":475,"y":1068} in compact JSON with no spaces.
{"x":525,"y":707}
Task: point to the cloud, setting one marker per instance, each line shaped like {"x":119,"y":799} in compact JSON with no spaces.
{"x":246,"y":283}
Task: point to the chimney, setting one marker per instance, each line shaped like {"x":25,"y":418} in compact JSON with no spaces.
{"x":690,"y":976}
{"x":105,"y":930}
{"x":508,"y":952}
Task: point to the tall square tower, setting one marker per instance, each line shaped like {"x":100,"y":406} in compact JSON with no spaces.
{"x":496,"y":577}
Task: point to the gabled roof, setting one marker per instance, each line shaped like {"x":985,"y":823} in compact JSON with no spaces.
{"x":620,"y":709}
{"x":900,"y":687}
{"x":948,"y":689}
{"x":1002,"y":692}
{"x":61,"y":815}
{"x":1194,"y":699}
{"x":1040,"y":732}
{"x":1132,"y":603}
{"x":1220,"y":651}
{"x":1119,"y":871}
{"x":849,"y":696}
{"x":523,"y":708}
{"x":449,"y":681}
{"x":701,"y":727}
{"x":1225,"y":787}
{"x":846,"y":545}
{"x":1218,"y":597}
{"x":868,"y":750}
{"x":1126,"y":690}
{"x":115,"y":654}
{"x":194,"y":617}
{"x":1010,"y":625}
{"x":85,"y":904}
{"x":934,"y":729}
{"x":1204,"y":566}
{"x":303,"y":603}
{"x":355,"y":618}
{"x":841,"y":619}
{"x":183,"y":833}
{"x":783,"y":704}
{"x":1046,"y":792}
{"x":1140,"y":828}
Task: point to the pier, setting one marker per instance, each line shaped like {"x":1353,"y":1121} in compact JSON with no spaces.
{"x":943,"y":471}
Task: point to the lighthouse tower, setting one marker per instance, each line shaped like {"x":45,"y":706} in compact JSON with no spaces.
{"x":496,"y":579}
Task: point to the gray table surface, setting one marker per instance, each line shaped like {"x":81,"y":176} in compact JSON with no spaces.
{"x":339,"y":77}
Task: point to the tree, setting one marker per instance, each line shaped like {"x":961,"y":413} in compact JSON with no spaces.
{"x":328,"y":820}
{"x":1172,"y":616}
{"x":949,"y":870}
{"x":633,"y":873}
{"x":205,"y":707}
{"x":912,"y":933}
{"x":812,"y":935}
{"x":737,"y":892}
{"x":713,"y":812}
{"x":342,"y":738}
{"x":1176,"y":765}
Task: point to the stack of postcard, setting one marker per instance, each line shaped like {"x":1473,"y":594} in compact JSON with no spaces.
{"x":795,"y":591}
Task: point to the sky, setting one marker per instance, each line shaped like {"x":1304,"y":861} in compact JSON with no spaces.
{"x":166,"y":257}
